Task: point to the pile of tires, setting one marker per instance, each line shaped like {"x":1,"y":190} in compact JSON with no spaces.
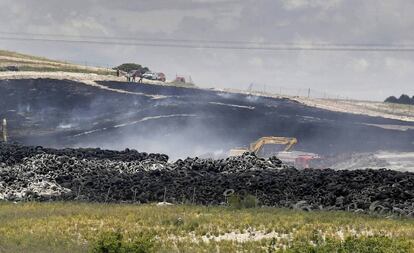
{"x":94,"y":175}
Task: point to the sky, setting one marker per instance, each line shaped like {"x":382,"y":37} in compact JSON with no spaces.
{"x":344,"y":74}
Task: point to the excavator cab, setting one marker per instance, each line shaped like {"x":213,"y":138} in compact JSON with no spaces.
{"x":270,"y":150}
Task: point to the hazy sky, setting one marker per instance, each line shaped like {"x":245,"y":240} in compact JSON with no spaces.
{"x":363,"y":75}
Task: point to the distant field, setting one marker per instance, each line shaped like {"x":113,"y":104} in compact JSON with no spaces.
{"x":76,"y":227}
{"x":371,"y":108}
{"x":33,"y":63}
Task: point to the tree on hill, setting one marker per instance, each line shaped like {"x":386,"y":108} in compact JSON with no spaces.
{"x":391,"y":99}
{"x":403,"y":99}
{"x":127,"y":67}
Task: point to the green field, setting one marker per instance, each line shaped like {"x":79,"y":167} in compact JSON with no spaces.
{"x":81,"y":227}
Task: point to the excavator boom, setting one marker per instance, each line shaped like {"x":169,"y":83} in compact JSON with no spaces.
{"x":258,"y":145}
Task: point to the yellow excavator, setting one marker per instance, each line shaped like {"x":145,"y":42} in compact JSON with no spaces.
{"x":298,"y":158}
{"x":257,"y":146}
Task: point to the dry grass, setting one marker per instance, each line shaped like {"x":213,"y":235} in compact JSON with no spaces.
{"x":32,"y":63}
{"x":71,"y":227}
{"x":24,"y":56}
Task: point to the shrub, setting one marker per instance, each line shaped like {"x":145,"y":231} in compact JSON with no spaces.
{"x":247,"y":201}
{"x":142,"y":245}
{"x":112,"y":242}
{"x":391,"y":99}
{"x":250,"y":201}
{"x":370,"y":244}
{"x":234,"y":201}
{"x":375,"y":244}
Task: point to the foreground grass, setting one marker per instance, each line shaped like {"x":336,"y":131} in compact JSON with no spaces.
{"x":76,"y":227}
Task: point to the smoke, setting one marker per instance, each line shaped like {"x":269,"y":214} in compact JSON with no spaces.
{"x":178,"y":135}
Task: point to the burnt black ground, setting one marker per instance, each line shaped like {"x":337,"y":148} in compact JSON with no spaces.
{"x":187,"y":122}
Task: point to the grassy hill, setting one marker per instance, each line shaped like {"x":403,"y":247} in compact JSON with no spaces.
{"x":25,"y":62}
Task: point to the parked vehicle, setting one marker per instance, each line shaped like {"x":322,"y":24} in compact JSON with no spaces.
{"x":150,"y":75}
{"x":179,"y":79}
{"x":12,"y":68}
{"x":154,"y":76}
{"x":161,"y":77}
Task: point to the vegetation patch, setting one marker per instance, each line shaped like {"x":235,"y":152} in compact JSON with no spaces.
{"x":82,"y":227}
{"x":403,"y":99}
{"x":127,"y":67}
{"x":113,"y":242}
{"x":12,"y":61}
{"x":246,"y":201}
{"x":371,"y":244}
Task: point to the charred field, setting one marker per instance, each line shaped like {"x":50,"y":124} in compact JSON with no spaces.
{"x":182,"y":122}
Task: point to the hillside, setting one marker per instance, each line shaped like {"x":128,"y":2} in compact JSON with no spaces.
{"x":34,"y":67}
{"x":25,"y":62}
{"x":73,"y":105}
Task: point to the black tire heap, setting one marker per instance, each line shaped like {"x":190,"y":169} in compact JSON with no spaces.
{"x":36,"y":173}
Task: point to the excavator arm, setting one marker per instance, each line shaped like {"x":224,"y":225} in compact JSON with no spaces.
{"x":258,"y":145}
